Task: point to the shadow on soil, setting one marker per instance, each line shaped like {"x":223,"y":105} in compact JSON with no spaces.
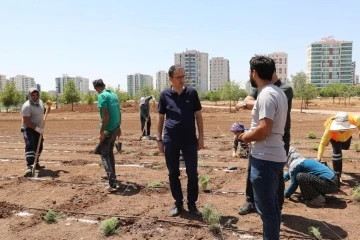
{"x":128,"y":189}
{"x":50,"y":173}
{"x":331,"y":202}
{"x":300,"y":225}
{"x":352,"y":182}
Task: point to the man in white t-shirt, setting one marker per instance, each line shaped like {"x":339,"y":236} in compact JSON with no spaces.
{"x":268,"y":156}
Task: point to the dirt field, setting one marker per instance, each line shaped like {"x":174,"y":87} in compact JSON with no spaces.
{"x":71,"y":182}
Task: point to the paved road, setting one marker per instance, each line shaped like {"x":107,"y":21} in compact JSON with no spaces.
{"x":327,"y":112}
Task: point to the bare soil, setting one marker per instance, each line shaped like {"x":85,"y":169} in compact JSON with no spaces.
{"x":71,"y":182}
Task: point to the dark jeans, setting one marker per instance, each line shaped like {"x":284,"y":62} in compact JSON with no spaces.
{"x":190,"y":155}
{"x":148,"y":126}
{"x":107,"y":155}
{"x":337,"y":153}
{"x":265,"y":180}
{"x":250,"y":193}
{"x":31,"y":138}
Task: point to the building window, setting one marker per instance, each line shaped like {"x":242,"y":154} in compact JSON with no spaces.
{"x":280,"y":70}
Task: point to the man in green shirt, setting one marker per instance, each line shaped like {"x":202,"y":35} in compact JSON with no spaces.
{"x":108,"y":104}
{"x":145,"y":115}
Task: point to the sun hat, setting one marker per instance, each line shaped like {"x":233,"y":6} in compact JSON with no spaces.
{"x":341,"y":122}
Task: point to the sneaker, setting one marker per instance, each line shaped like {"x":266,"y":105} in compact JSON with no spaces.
{"x":247,"y":208}
{"x":111,"y":188}
{"x":317,"y":201}
{"x":28,"y":172}
{"x":194,"y":211}
{"x":176,"y":210}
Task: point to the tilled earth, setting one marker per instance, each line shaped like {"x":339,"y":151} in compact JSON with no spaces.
{"x":71,"y":183}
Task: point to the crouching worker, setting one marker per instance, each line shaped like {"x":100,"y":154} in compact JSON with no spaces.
{"x":314,"y":179}
{"x":237,"y":129}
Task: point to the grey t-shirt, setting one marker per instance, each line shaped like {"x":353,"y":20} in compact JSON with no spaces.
{"x":271,"y":103}
{"x":36,"y":113}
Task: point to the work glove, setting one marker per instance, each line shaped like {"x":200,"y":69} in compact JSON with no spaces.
{"x":39,"y":130}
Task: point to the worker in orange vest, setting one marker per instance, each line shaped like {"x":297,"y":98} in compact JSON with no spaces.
{"x":338,"y":131}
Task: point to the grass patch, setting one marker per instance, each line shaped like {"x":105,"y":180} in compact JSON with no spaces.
{"x":357,"y":146}
{"x":156,"y":167}
{"x":314,"y":146}
{"x":154,"y":184}
{"x":311,"y":135}
{"x":296,"y":143}
{"x":204,"y":181}
{"x":110,"y":226}
{"x":129,"y":151}
{"x":212,"y":218}
{"x":356,"y":193}
{"x":52,"y":217}
{"x":314,"y":232}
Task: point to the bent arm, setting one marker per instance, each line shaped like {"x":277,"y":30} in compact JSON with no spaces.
{"x":325,"y":139}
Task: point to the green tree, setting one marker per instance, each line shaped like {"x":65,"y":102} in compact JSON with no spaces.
{"x":215,"y":96}
{"x":89,"y":99}
{"x":71,"y":94}
{"x":44,"y":96}
{"x":299,"y":82}
{"x":10,"y":96}
{"x":333,"y":90}
{"x":231,"y":92}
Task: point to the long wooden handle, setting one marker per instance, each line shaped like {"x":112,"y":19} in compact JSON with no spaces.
{"x":39,"y":142}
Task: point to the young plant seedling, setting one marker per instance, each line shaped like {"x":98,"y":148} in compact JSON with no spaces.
{"x":211,"y":217}
{"x":356,"y":193}
{"x":204,"y":181}
{"x":314,"y":232}
{"x":357,"y":147}
{"x":311,"y":135}
{"x":154,"y":184}
{"x":52,"y":217}
{"x":110,"y":226}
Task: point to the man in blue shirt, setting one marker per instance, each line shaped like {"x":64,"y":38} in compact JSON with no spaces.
{"x":182,"y":107}
{"x":314,"y":178}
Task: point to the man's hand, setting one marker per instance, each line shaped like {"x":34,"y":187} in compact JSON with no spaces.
{"x":200,"y":143}
{"x":319,"y":159}
{"x":161,"y":146}
{"x":39,"y":130}
{"x":102,"y":136}
{"x":239,"y":105}
{"x":243,"y":137}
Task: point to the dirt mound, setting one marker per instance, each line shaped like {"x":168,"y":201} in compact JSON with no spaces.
{"x":8,"y":209}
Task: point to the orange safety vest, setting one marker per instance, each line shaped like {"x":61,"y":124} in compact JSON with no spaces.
{"x":335,"y":135}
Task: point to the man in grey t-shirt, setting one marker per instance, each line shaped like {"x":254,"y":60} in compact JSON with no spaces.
{"x":32,"y":120}
{"x":267,"y":156}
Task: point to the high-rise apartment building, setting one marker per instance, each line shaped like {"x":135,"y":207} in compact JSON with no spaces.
{"x":219,"y":73}
{"x":82,"y":84}
{"x":38,"y":87}
{"x":329,"y":61}
{"x":137,"y":81}
{"x":281,"y":60}
{"x":162,"y":80}
{"x":354,"y":72}
{"x":3,"y":81}
{"x":196,"y":65}
{"x":23,"y":83}
{"x":357,"y":80}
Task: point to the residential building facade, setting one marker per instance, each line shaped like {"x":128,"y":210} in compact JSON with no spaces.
{"x":137,"y":81}
{"x":354,"y":72}
{"x":281,"y":60}
{"x":196,"y":66}
{"x":3,"y":81}
{"x":82,"y":84}
{"x":23,"y":83}
{"x":219,"y":73}
{"x":329,"y":61}
{"x":162,"y":80}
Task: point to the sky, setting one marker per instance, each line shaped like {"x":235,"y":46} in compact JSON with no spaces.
{"x":110,"y":39}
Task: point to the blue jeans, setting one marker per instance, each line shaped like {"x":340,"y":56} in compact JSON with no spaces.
{"x":265,"y":182}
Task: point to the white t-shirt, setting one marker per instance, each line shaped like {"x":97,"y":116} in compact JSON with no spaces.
{"x":36,"y":113}
{"x":271,"y":103}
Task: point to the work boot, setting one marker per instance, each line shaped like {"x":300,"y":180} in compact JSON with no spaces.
{"x":247,"y":208}
{"x":176,"y":210}
{"x":194,"y":211}
{"x":28,"y":172}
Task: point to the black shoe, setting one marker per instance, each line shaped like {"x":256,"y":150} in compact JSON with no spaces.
{"x":176,"y":211}
{"x":194,"y":211}
{"x":247,"y":208}
{"x":38,"y":166}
